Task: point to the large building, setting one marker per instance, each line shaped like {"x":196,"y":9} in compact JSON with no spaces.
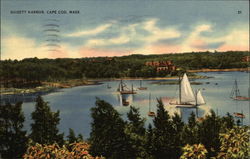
{"x":246,"y":59}
{"x":162,"y":65}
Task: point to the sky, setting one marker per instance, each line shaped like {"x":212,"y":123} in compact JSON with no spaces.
{"x":121,"y":27}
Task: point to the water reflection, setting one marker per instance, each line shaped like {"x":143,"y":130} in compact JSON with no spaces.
{"x":75,"y":103}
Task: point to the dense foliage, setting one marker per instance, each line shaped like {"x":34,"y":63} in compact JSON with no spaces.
{"x":235,"y":144}
{"x":169,"y":136}
{"x":44,"y":129}
{"x":13,"y":138}
{"x":107,"y":137}
{"x":196,"y":151}
{"x":79,"y":151}
{"x":113,"y":137}
{"x":34,"y":70}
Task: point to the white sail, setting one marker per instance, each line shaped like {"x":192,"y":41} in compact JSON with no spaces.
{"x":187,"y":94}
{"x":200,"y":99}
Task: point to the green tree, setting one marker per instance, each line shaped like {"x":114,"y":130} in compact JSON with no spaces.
{"x":163,"y":141}
{"x":107,"y":137}
{"x":209,"y":131}
{"x":190,"y":131}
{"x":177,"y":134}
{"x":135,"y":133}
{"x":227,"y":122}
{"x":80,"y":138}
{"x":13,"y":142}
{"x":149,"y":146}
{"x":71,"y":137}
{"x":44,"y":129}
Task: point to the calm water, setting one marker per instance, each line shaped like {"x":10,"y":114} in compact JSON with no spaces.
{"x":75,"y":103}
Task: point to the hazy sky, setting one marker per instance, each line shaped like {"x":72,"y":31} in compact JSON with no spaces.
{"x":121,"y":27}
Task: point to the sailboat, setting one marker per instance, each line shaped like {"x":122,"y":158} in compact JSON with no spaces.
{"x":108,"y":86}
{"x":187,"y":99}
{"x":123,"y":89}
{"x":142,"y":88}
{"x":125,"y":102}
{"x":150,"y":113}
{"x":235,"y":93}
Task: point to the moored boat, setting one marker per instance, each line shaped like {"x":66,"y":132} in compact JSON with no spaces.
{"x":187,"y":99}
{"x":235,"y":93}
{"x":123,"y":89}
{"x":142,"y":88}
{"x":150,"y":113}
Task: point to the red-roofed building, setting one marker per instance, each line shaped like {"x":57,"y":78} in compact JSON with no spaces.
{"x":246,"y":59}
{"x":162,"y":65}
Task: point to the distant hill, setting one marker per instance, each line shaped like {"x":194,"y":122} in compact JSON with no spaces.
{"x":34,"y":69}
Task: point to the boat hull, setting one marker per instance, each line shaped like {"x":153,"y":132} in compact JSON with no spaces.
{"x":239,"y":115}
{"x":142,"y":88}
{"x":128,"y":92}
{"x":151,"y":114}
{"x":185,"y":106}
{"x":241,"y":98}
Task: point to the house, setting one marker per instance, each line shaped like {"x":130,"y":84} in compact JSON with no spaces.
{"x":246,"y":59}
{"x":162,"y":65}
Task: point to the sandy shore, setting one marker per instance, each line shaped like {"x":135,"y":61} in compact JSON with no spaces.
{"x":47,"y":86}
{"x":220,"y":70}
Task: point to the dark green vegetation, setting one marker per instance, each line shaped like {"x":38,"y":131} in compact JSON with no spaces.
{"x":44,"y":129}
{"x":13,"y":140}
{"x":116,"y":138}
{"x":111,"y":136}
{"x":30,"y":72}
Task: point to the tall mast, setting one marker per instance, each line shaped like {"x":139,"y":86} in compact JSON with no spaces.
{"x":236,"y":87}
{"x":180,"y":88}
{"x":149,"y":103}
{"x":132,"y":88}
{"x":196,"y":105}
{"x":237,"y":92}
{"x":121,"y":86}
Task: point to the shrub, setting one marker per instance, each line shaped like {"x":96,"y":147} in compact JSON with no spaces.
{"x":79,"y":151}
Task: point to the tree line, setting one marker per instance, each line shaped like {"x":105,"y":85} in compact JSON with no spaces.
{"x":15,"y":140}
{"x":34,"y":69}
{"x":113,"y":137}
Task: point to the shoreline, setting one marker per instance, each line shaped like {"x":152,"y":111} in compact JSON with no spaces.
{"x":50,"y":86}
{"x":220,"y":70}
{"x":147,"y":78}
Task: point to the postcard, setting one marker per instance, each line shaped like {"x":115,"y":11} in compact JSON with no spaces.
{"x":124,"y":79}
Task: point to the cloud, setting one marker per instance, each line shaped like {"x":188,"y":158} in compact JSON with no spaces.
{"x":17,"y":47}
{"x":157,"y":33}
{"x":145,"y":32}
{"x":157,"y":49}
{"x":94,"y":31}
{"x":144,"y":37}
{"x":14,"y":47}
{"x":106,"y":42}
{"x":234,"y":39}
{"x":95,"y":52}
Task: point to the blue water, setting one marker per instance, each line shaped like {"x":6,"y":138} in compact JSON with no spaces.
{"x":75,"y":103}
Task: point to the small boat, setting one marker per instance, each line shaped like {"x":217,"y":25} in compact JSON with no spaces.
{"x":150,"y":113}
{"x":187,"y":99}
{"x":200,"y":119}
{"x":108,"y":86}
{"x":142,"y":88}
{"x":239,"y":115}
{"x":124,"y":102}
{"x":123,"y":89}
{"x":235,"y":93}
